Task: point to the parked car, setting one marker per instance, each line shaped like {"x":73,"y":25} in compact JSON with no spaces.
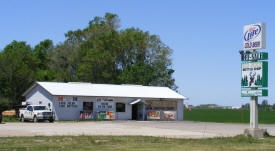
{"x":35,"y":113}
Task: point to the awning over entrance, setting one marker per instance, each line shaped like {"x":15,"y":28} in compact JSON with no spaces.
{"x":135,"y":102}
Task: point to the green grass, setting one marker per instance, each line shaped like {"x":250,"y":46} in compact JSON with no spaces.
{"x":227,"y":116}
{"x":10,"y":119}
{"x":134,"y":143}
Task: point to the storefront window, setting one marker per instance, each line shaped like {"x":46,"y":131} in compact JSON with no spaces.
{"x":120,"y":107}
{"x":88,"y":106}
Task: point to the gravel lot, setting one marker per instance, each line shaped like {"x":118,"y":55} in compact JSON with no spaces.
{"x":172,"y":129}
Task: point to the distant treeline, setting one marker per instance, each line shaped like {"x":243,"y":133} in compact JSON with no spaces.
{"x":99,"y":53}
{"x":211,"y":106}
{"x":262,"y":106}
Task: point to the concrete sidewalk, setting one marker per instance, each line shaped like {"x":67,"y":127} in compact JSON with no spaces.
{"x":171,"y":129}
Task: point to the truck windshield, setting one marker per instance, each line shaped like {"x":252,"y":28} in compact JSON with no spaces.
{"x":39,"y":107}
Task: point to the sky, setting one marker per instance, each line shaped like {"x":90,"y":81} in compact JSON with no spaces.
{"x":205,"y":36}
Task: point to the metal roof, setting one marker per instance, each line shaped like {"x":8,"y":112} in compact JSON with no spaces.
{"x":107,"y":90}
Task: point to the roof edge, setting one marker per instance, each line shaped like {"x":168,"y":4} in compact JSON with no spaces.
{"x":53,"y":94}
{"x":184,"y":98}
{"x":32,"y":87}
{"x":29,"y":89}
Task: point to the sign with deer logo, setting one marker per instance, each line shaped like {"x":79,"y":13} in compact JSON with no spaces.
{"x":254,"y":74}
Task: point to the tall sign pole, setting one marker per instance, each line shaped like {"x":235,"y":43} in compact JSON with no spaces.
{"x":254,"y":72}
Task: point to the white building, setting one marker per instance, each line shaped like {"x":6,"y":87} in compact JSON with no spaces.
{"x":77,"y":100}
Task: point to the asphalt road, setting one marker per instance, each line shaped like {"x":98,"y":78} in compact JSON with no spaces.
{"x":172,"y":129}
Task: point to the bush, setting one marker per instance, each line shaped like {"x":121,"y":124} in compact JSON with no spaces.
{"x":10,"y":119}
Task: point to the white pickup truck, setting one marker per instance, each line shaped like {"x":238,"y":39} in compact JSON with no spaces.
{"x":35,"y":113}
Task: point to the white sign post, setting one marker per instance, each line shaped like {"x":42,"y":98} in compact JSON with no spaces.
{"x":254,"y":112}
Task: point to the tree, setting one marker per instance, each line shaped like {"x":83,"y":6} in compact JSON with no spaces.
{"x":72,"y":58}
{"x":4,"y":104}
{"x":17,"y":65}
{"x":264,"y":105}
{"x":143,"y":57}
{"x":246,"y":106}
{"x":101,"y":53}
{"x":43,"y":52}
{"x":273,"y":106}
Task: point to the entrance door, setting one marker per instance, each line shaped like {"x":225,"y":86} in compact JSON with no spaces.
{"x":134,"y":112}
{"x":138,"y":111}
{"x":141,"y":110}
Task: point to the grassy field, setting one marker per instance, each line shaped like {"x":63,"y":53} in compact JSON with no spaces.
{"x":227,"y":116}
{"x":126,"y":143}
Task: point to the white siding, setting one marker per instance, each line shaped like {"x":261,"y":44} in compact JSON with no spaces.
{"x":64,"y":113}
{"x":73,"y":113}
{"x":38,"y":94}
{"x":127,"y":115}
{"x":180,"y":110}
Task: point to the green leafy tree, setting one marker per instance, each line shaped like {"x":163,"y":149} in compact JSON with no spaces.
{"x":43,"y":53}
{"x":4,"y":104}
{"x":246,"y":106}
{"x":264,"y":105}
{"x":273,"y":106}
{"x":17,"y":65}
{"x":64,"y":63}
{"x":101,"y":53}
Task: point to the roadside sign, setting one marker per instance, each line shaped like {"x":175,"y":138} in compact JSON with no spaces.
{"x":254,"y":36}
{"x":254,"y":56}
{"x":250,"y":93}
{"x":254,"y":74}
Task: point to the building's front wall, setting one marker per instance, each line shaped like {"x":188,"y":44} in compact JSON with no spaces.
{"x":180,"y":110}
{"x":39,"y":96}
{"x":69,"y":107}
{"x":164,"y":106}
{"x":72,"y":112}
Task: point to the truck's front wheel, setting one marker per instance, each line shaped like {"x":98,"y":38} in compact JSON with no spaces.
{"x":22,"y":118}
{"x":51,"y":120}
{"x":34,"y":119}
